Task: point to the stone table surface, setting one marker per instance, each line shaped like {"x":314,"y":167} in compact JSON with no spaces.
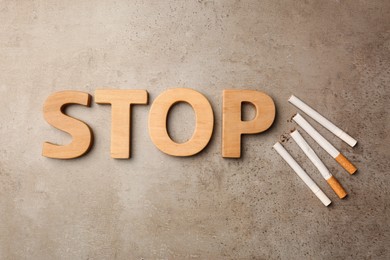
{"x":333,"y":54}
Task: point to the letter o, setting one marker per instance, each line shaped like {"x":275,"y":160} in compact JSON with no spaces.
{"x":203,"y":126}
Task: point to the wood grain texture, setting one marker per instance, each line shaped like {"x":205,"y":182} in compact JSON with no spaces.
{"x":203,"y":125}
{"x":234,"y":127}
{"x":53,"y":112}
{"x":337,"y":187}
{"x":121,"y":101}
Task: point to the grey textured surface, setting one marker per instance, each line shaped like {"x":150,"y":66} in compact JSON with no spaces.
{"x":333,"y":54}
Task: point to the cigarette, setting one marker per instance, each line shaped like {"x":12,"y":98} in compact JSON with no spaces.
{"x":322,"y":120}
{"x":339,"y":157}
{"x":302,"y":174}
{"x":331,"y":180}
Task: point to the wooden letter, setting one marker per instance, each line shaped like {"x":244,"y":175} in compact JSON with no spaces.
{"x":53,"y":112}
{"x":121,"y":101}
{"x":158,"y":117}
{"x":233,"y":127}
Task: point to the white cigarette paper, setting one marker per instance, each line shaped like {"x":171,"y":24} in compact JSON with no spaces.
{"x":316,"y":136}
{"x":330,"y":179}
{"x":322,"y":120}
{"x":311,"y":154}
{"x":340,"y":158}
{"x":302,"y":174}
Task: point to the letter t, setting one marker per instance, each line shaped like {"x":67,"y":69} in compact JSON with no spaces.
{"x":121,"y":101}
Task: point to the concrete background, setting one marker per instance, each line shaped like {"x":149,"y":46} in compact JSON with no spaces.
{"x":333,"y":54}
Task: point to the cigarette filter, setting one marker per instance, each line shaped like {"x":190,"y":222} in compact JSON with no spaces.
{"x":332,"y":181}
{"x":339,"y":157}
{"x":302,"y":174}
{"x":322,"y":120}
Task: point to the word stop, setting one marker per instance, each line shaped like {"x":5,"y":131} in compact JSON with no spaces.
{"x":121,"y":102}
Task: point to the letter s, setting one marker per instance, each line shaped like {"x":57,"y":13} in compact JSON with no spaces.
{"x":53,"y":112}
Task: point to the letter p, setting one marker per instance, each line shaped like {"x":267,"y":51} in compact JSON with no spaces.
{"x":234,"y":127}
